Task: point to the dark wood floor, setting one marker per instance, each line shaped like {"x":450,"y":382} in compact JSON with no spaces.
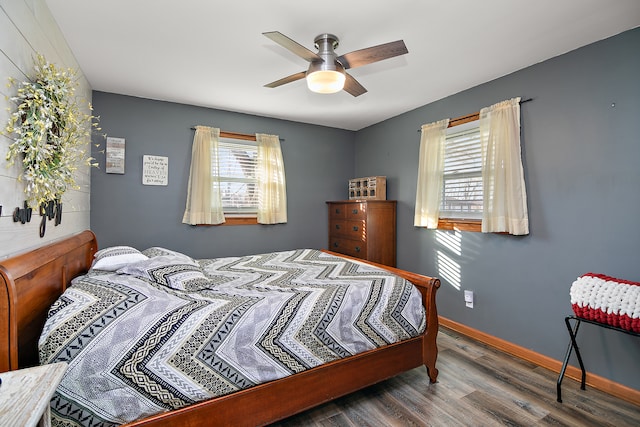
{"x":477,"y":386}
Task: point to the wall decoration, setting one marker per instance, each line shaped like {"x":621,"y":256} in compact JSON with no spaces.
{"x":49,"y":211}
{"x":51,"y":133}
{"x":22,"y":215}
{"x":115,"y":155}
{"x":155,"y":170}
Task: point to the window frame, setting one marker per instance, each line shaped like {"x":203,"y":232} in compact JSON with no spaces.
{"x":461,"y":224}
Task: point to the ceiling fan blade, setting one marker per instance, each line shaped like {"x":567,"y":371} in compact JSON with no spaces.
{"x":288,"y":79}
{"x":293,"y":46}
{"x":361,"y":57}
{"x":352,"y":86}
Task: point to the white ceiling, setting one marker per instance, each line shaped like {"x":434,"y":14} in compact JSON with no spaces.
{"x":212,"y":53}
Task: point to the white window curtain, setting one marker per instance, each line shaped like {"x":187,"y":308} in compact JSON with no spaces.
{"x":204,"y":204}
{"x":272,"y":188}
{"x":505,"y":196}
{"x":430,"y":174}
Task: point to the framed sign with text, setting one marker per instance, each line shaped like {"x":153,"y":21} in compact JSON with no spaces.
{"x":155,"y":170}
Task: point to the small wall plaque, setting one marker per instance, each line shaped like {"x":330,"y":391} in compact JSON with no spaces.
{"x":115,"y":155}
{"x":155,"y":170}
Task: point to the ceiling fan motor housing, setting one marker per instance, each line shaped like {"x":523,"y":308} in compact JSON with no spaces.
{"x":326,"y":43}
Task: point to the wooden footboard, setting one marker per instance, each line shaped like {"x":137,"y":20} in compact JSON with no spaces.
{"x":428,"y":286}
{"x":31,"y":282}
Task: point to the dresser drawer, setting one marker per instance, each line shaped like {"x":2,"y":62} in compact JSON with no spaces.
{"x":354,"y":248}
{"x":338,"y":211}
{"x":337,"y":227}
{"x":356,"y":211}
{"x":350,"y":229}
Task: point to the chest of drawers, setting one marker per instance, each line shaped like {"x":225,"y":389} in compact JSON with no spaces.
{"x":364,"y":229}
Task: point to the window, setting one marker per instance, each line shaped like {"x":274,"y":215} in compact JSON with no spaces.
{"x":462,"y":180}
{"x":471,"y":178}
{"x":237,"y":175}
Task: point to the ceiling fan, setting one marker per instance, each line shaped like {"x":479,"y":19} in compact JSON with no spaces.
{"x":327,"y":71}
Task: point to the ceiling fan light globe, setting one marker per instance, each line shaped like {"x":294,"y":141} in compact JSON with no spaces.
{"x":325,"y":81}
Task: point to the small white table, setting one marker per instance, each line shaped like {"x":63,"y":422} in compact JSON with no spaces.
{"x":25,"y":395}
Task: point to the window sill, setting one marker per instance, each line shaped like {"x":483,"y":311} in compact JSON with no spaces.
{"x":460,"y":224}
{"x":234,"y":220}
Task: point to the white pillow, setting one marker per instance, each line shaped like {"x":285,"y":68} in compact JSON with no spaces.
{"x":115,"y":257}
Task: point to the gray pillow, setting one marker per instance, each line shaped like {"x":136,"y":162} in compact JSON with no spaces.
{"x":176,"y":272}
{"x":158,"y":251}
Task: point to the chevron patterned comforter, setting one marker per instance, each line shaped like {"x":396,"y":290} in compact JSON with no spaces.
{"x":165,"y":331}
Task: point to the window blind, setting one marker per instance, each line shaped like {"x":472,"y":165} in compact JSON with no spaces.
{"x":462,"y":184}
{"x":237,"y":161}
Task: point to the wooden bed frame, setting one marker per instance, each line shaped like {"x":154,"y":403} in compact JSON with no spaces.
{"x":31,"y":282}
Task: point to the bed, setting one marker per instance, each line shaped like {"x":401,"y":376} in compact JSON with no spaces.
{"x":33,"y":282}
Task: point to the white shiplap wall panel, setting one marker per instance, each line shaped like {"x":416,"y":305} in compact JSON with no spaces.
{"x":75,"y":201}
{"x":52,"y":42}
{"x":27,"y":28}
{"x":14,"y":46}
{"x":10,"y":70}
{"x":56,"y":38}
{"x":11,"y":194}
{"x":22,"y":17}
{"x":6,"y":170}
{"x":5,"y":112}
{"x":83,"y":179}
{"x":27,"y":236}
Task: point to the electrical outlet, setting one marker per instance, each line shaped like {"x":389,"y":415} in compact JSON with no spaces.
{"x":468,"y":299}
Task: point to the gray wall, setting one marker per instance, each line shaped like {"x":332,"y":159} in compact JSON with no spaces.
{"x":581,"y":168}
{"x":581,"y":160}
{"x":318,"y":161}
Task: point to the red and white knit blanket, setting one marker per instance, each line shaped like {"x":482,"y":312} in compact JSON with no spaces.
{"x":607,"y":300}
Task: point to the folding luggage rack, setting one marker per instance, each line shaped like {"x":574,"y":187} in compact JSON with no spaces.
{"x":573,"y":332}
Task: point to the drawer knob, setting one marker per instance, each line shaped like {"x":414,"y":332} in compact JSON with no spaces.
{"x":357,"y":248}
{"x":335,"y":244}
{"x":337,"y":210}
{"x":355,"y":211}
{"x":355,"y":228}
{"x":337,"y":226}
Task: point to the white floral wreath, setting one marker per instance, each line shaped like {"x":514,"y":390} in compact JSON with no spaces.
{"x":50,"y":133}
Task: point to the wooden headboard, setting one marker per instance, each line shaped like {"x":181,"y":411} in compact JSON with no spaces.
{"x":29,"y":284}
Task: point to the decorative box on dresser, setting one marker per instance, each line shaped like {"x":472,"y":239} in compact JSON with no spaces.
{"x":364,"y":229}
